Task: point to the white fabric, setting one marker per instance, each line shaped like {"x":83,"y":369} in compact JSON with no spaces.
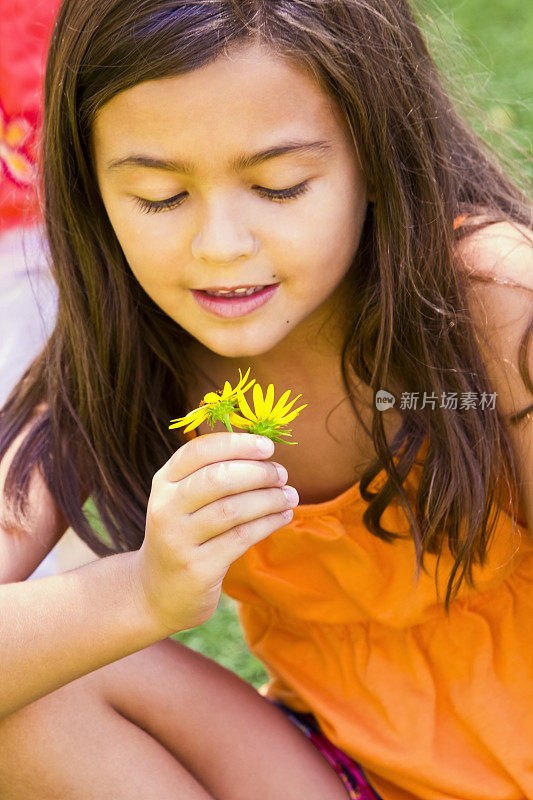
{"x":28,"y":307}
{"x":28,"y":303}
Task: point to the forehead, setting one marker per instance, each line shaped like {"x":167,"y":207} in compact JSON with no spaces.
{"x":235,"y":103}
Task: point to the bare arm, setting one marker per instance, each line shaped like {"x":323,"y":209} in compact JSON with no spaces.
{"x":56,"y":629}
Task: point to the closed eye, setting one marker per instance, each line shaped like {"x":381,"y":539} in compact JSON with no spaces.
{"x":283,"y":194}
{"x":276,"y":195}
{"x":153,"y":206}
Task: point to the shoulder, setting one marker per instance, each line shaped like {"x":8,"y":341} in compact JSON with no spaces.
{"x":499,"y":250}
{"x":500,"y":254}
{"x":498,"y":261}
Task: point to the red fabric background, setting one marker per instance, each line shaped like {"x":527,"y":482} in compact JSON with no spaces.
{"x":25,"y":29}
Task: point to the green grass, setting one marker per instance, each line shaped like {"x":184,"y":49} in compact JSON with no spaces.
{"x":484,"y":46}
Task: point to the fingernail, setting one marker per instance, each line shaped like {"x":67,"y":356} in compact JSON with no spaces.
{"x":265,"y":445}
{"x":291,"y":495}
{"x":282,"y":473}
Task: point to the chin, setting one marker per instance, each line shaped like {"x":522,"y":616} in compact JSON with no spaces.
{"x":237,"y":351}
{"x":240,"y":348}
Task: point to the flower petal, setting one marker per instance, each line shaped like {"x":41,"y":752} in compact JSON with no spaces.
{"x":241,"y":422}
{"x":212,"y":397}
{"x":245,"y":408}
{"x":281,"y":402}
{"x":289,"y":406}
{"x":269,"y":399}
{"x":201,"y":407}
{"x":193,"y":425}
{"x":181,"y":421}
{"x":193,"y":418}
{"x":289,"y":418}
{"x":259,"y":403}
{"x":243,"y":379}
{"x":245,"y":388}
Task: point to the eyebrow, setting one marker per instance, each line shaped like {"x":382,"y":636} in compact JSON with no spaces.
{"x":320,"y":148}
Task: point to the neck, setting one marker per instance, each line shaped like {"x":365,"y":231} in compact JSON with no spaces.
{"x":308,"y":359}
{"x":289,"y":365}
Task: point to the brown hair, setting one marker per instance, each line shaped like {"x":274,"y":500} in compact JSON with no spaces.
{"x":114,"y":371}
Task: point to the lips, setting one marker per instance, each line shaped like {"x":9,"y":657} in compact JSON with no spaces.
{"x":230,"y":306}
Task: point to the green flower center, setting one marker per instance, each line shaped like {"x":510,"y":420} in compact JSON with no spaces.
{"x":270,"y":428}
{"x":221,"y":412}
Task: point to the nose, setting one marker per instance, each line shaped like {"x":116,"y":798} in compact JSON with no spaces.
{"x":222,"y":237}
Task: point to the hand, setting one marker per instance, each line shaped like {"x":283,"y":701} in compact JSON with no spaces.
{"x":212,"y":500}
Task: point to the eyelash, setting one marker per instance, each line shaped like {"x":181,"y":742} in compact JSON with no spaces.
{"x":275,"y":195}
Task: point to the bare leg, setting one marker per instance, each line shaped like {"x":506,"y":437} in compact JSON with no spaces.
{"x":163,"y":723}
{"x":71,"y":745}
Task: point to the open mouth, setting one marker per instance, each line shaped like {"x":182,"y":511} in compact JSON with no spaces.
{"x":244,"y":292}
{"x":235,"y":303}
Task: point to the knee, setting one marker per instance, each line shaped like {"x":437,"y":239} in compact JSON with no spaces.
{"x":31,"y":737}
{"x":47,"y":712}
{"x":69,"y":701}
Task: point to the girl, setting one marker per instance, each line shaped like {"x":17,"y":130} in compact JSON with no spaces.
{"x":308,"y":151}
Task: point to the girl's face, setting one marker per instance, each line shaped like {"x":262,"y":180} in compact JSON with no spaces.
{"x":195,"y":207}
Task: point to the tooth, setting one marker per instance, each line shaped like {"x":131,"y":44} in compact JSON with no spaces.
{"x":240,"y":292}
{"x":236,"y":292}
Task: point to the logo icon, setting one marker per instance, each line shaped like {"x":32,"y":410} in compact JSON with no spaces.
{"x":384,"y":400}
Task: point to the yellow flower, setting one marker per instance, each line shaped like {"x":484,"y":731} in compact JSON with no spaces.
{"x":268,"y":419}
{"x":216,"y":406}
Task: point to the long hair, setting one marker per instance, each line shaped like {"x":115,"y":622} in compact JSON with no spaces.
{"x":114,"y":371}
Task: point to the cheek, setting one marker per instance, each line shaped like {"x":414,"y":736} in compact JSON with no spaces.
{"x":151,"y":253}
{"x":347,"y":216}
{"x":335,"y":213}
{"x":330,"y":232}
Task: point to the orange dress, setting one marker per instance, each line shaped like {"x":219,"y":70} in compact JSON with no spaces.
{"x":432,"y":706}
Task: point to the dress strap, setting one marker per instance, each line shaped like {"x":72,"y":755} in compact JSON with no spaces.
{"x":458,"y":221}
